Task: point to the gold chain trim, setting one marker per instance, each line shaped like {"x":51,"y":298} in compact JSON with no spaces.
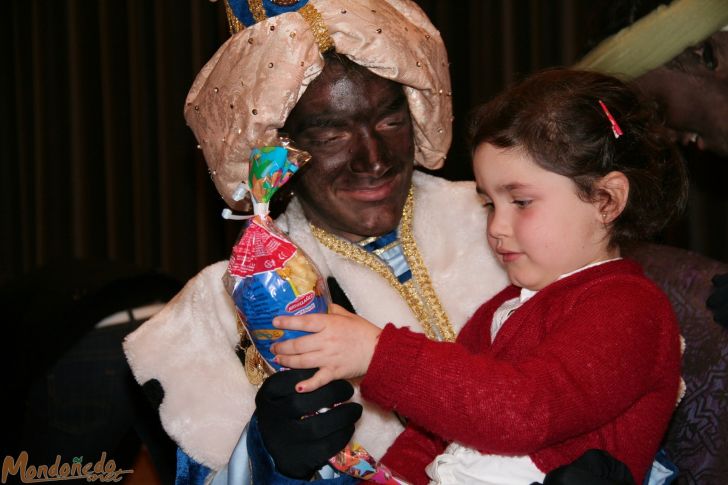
{"x":420,"y":273}
{"x":255,"y":368}
{"x":234,"y":24}
{"x":424,"y":303}
{"x":256,"y":8}
{"x":318,"y":27}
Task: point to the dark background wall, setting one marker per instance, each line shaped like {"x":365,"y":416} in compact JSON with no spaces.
{"x":96,"y":160}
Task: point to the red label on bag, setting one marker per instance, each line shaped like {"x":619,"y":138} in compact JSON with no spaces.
{"x":259,"y":251}
{"x":300,"y":302}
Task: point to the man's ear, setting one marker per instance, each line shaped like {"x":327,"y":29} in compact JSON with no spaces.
{"x":612,"y":193}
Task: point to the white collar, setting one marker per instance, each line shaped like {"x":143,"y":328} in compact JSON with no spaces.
{"x":527,"y":294}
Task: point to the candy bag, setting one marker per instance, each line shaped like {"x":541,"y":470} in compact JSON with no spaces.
{"x":268,"y":275}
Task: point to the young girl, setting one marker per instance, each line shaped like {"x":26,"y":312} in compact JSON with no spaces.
{"x":582,"y":351}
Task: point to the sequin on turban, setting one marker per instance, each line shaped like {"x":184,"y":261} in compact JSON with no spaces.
{"x":245,"y":92}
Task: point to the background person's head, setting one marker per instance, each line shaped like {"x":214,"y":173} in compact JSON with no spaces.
{"x":692,"y":88}
{"x":629,"y":187}
{"x":677,"y":55}
{"x":374,"y":71}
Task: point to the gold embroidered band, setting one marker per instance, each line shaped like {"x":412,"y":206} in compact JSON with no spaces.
{"x":256,"y":8}
{"x":308,"y":12}
{"x":318,"y":27}
{"x":234,"y":24}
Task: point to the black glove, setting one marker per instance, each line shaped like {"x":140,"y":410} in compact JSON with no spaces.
{"x":718,"y":300}
{"x":298,"y":446}
{"x":595,"y":467}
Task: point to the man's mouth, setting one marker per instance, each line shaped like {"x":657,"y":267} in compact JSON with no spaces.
{"x":372,"y":192}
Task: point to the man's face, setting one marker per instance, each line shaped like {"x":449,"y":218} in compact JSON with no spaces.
{"x":693,"y":90}
{"x":357,"y":128}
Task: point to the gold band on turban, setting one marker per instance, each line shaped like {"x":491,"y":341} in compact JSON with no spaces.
{"x":245,"y":92}
{"x":656,"y":38}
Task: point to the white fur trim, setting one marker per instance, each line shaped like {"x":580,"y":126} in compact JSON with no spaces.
{"x":189,"y":346}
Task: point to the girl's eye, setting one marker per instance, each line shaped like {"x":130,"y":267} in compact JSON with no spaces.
{"x":522,"y":203}
{"x":485,"y":201}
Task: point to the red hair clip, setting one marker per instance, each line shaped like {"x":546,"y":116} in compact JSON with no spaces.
{"x":615,"y":127}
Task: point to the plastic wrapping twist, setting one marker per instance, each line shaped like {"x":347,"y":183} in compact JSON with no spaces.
{"x":268,"y":275}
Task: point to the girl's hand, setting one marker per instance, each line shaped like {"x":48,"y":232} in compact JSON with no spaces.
{"x":341,"y":345}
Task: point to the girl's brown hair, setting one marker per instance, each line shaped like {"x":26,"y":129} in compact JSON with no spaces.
{"x":555,"y":116}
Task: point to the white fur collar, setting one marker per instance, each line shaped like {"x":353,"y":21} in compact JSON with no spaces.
{"x":189,"y":347}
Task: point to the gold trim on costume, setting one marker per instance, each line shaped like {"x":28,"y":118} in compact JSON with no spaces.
{"x":417,"y":292}
{"x":234,"y":24}
{"x":368,"y":240}
{"x":255,"y":367}
{"x":256,"y":8}
{"x":318,"y":27}
{"x":420,"y":273}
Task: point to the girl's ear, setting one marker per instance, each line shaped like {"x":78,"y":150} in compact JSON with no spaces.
{"x":613,"y":191}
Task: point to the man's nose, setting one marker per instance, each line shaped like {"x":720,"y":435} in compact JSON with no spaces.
{"x":368,"y":154}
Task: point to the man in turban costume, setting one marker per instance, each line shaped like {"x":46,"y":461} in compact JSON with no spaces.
{"x":363,"y":86}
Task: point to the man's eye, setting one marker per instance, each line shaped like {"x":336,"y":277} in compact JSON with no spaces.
{"x":324,"y":137}
{"x":522,"y":203}
{"x":324,"y":141}
{"x":391,"y":122}
{"x":706,"y":55}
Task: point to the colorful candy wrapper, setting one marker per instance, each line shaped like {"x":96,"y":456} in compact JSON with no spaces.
{"x":354,"y":460}
{"x":268,"y":275}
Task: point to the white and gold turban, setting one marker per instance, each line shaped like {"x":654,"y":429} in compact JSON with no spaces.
{"x":656,"y":38}
{"x":244,"y":94}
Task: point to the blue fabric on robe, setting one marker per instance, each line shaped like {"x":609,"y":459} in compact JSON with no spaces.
{"x":189,"y":472}
{"x":663,"y":471}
